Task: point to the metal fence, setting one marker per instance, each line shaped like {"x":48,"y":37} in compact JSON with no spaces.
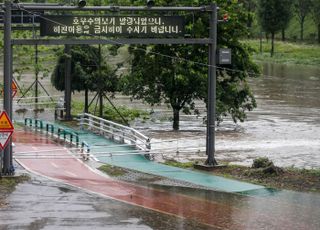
{"x":116,"y":132}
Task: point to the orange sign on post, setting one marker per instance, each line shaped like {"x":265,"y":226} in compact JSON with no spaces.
{"x":14,"y":88}
{"x":6,"y":129}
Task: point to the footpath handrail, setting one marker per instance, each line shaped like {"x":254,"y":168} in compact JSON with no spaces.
{"x":39,"y":125}
{"x":115,"y":131}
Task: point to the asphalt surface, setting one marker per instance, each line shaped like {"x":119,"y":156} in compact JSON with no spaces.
{"x":65,"y":193}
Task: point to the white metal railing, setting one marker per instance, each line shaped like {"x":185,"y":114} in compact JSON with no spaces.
{"x":116,"y":132}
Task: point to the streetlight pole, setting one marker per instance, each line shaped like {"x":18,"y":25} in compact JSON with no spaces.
{"x":7,"y":80}
{"x":212,"y":77}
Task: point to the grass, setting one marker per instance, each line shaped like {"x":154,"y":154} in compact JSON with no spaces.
{"x":110,"y":113}
{"x":179,"y":164}
{"x":112,"y":171}
{"x":286,"y":52}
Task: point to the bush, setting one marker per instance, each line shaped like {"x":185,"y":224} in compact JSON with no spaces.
{"x":261,"y":162}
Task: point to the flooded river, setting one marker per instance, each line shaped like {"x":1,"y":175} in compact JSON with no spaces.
{"x":285,"y":127}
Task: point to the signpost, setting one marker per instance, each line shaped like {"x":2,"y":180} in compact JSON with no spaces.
{"x":14,"y":88}
{"x":6,"y":130}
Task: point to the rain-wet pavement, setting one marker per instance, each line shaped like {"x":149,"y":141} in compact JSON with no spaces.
{"x":42,"y":204}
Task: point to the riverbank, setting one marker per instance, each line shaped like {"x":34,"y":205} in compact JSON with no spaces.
{"x":7,"y":185}
{"x":302,"y":180}
{"x":286,"y":52}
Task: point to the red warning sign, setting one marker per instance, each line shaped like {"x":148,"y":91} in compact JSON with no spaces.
{"x":6,"y":129}
{"x":14,"y":88}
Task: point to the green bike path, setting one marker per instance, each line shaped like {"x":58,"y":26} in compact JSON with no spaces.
{"x":109,"y":152}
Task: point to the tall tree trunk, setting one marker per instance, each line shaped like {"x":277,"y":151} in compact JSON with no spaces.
{"x":283,"y":34}
{"x":86,"y":101}
{"x":301,"y":29}
{"x":272,"y":44}
{"x":319,"y":33}
{"x":176,"y":119}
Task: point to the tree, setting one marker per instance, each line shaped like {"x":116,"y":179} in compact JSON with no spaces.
{"x":83,"y":65}
{"x":177,"y":74}
{"x":302,"y":9}
{"x":250,"y":6}
{"x":273,"y":16}
{"x":316,"y":15}
{"x":287,"y":11}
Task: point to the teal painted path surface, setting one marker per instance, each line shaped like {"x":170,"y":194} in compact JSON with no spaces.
{"x":112,"y":153}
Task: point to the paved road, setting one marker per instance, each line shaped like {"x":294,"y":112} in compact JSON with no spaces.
{"x":214,"y":210}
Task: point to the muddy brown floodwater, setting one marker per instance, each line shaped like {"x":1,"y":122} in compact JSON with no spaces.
{"x":285,"y":127}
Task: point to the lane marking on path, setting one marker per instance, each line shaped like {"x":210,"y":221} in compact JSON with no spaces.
{"x":54,"y":165}
{"x":71,"y":174}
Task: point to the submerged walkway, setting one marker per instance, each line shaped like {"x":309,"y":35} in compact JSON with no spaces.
{"x":107,"y":151}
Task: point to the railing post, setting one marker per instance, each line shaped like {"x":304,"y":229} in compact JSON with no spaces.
{"x":122,"y":138}
{"x":112,"y":131}
{"x":77,"y":140}
{"x":90,"y":123}
{"x":148,"y":145}
{"x":101,"y":123}
{"x":81,"y":121}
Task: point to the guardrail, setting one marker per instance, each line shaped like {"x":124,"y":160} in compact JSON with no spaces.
{"x":116,"y":132}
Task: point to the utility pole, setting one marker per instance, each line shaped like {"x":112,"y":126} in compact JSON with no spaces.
{"x":7,"y":80}
{"x":212,"y":78}
{"x":67,"y":81}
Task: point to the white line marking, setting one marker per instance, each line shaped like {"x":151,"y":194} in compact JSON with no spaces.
{"x":54,"y":165}
{"x":71,"y":174}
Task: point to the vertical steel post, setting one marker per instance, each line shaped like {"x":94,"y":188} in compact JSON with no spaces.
{"x":211,"y":114}
{"x":37,"y":75}
{"x":100,"y":92}
{"x":7,"y":79}
{"x":67,"y":81}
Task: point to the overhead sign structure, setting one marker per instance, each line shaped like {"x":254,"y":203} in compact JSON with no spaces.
{"x":22,"y":17}
{"x":6,"y":129}
{"x":113,"y":26}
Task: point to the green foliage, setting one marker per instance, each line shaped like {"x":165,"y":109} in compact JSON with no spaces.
{"x":302,"y":9}
{"x":173,"y":74}
{"x":179,"y":164}
{"x":261,"y":162}
{"x":274,"y":16}
{"x":129,"y":114}
{"x":83,"y":65}
{"x":315,"y":10}
{"x":111,"y":114}
{"x":290,"y":53}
